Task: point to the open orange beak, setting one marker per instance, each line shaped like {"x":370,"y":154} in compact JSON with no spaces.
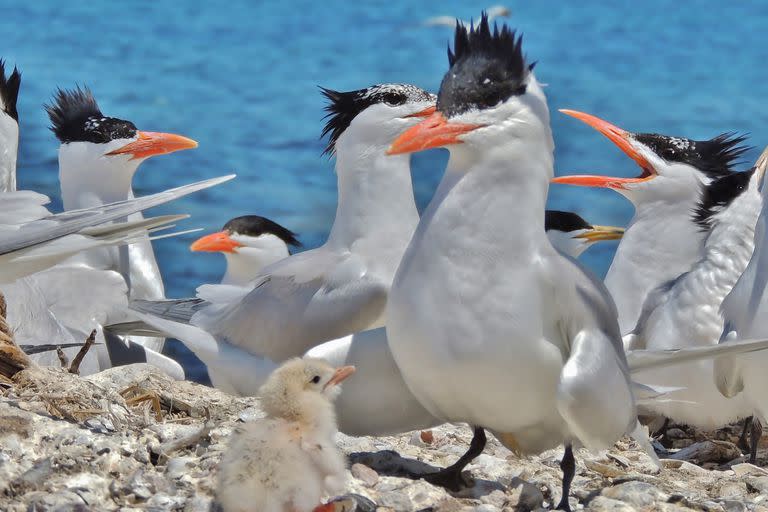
{"x":215,"y":242}
{"x":340,"y":375}
{"x":154,"y":143}
{"x":433,"y":132}
{"x":619,"y":137}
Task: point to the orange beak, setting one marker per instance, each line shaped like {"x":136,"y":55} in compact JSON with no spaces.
{"x":340,"y":375}
{"x":154,"y":143}
{"x":619,"y":137}
{"x":215,"y":242}
{"x":433,"y":132}
{"x":424,"y":113}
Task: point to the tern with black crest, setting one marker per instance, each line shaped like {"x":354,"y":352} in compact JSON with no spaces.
{"x":98,"y":158}
{"x":488,"y":323}
{"x":661,"y":241}
{"x":249,"y":243}
{"x":333,"y":290}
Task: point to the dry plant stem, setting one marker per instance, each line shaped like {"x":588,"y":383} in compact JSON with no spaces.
{"x":12,"y":358}
{"x":168,"y":448}
{"x":75,"y":366}
{"x":62,"y":357}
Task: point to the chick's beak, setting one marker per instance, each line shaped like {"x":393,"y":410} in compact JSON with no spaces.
{"x":622,"y":139}
{"x":601,"y":233}
{"x":154,"y":143}
{"x":433,"y":132}
{"x":339,"y":375}
{"x":215,"y":242}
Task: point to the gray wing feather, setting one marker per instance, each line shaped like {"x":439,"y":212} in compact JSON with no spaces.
{"x":73,"y":221}
{"x":175,"y":310}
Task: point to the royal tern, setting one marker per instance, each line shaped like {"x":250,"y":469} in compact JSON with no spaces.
{"x":572,"y":235}
{"x":395,"y":409}
{"x":660,"y":242}
{"x":744,"y":312}
{"x":685,"y":312}
{"x":9,"y":127}
{"x":61,"y":305}
{"x":488,"y":323}
{"x":249,"y":243}
{"x":98,"y":157}
{"x":324,"y":293}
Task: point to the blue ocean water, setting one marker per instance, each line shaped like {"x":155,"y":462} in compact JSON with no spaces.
{"x":241,"y":78}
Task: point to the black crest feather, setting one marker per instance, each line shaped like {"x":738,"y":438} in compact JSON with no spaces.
{"x":9,"y":90}
{"x":718,"y":194}
{"x":722,"y":152}
{"x":75,"y":117}
{"x":714,"y":157}
{"x":343,"y":107}
{"x":254,"y":225}
{"x":486,"y":68}
{"x":564,"y":221}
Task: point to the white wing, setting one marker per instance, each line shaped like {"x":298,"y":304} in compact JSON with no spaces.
{"x":231,"y":369}
{"x":394,"y":408}
{"x":28,"y":260}
{"x":65,"y":223}
{"x":20,"y":207}
{"x":297,"y":303}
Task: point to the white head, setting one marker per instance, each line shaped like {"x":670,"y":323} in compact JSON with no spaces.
{"x":572,"y":235}
{"x":303,"y":390}
{"x":369,"y":119}
{"x":672,"y":168}
{"x":9,"y":127}
{"x":489,"y":103}
{"x":249,"y":243}
{"x":100,"y":154}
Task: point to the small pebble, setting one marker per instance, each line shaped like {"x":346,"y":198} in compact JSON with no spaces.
{"x":365,"y":474}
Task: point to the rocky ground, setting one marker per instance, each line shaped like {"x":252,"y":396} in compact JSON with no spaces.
{"x":131,"y":439}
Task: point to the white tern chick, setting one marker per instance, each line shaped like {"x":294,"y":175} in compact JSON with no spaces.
{"x":287,"y":461}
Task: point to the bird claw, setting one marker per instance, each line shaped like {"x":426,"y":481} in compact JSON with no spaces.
{"x":451,"y":480}
{"x":564,"y":505}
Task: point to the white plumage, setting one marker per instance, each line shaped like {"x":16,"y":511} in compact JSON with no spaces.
{"x":287,"y":461}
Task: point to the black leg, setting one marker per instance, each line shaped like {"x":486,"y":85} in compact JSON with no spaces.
{"x":754,"y":438}
{"x":568,"y":465}
{"x":742,"y":443}
{"x":451,"y":478}
{"x":662,"y":430}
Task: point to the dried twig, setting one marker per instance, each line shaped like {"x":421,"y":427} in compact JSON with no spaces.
{"x":75,"y":366}
{"x":12,"y":358}
{"x":62,"y":357}
{"x":169,"y":447}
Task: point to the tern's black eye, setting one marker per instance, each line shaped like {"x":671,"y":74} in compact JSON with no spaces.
{"x":315,"y":379}
{"x":393,"y":99}
{"x":668,"y":154}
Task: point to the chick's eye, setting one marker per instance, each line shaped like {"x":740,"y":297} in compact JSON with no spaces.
{"x":315,"y":379}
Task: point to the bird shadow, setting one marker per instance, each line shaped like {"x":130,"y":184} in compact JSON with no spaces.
{"x":391,"y":463}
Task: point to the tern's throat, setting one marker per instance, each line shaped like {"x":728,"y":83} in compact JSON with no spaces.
{"x":497,"y":194}
{"x":89,"y":178}
{"x":375,"y":196}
